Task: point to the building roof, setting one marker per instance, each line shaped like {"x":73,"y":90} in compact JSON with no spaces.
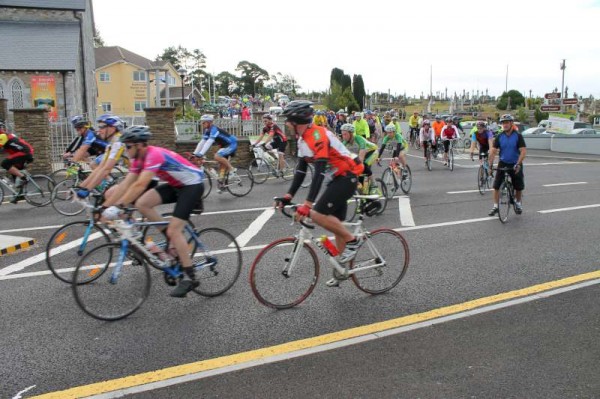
{"x":31,"y":46}
{"x":78,"y":5}
{"x":109,"y":55}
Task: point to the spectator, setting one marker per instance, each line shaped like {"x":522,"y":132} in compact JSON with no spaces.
{"x":246,"y":113}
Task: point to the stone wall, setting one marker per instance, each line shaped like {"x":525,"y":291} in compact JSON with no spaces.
{"x":32,"y":125}
{"x":3,"y":109}
{"x":162,"y":125}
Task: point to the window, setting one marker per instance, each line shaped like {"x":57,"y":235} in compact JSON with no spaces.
{"x":106,"y":107}
{"x":139,"y":106}
{"x":16,"y":89}
{"x":172,"y":80}
{"x":139,"y":76}
{"x":104,"y":77}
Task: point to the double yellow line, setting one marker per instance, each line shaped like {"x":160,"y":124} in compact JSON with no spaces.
{"x":294,"y":346}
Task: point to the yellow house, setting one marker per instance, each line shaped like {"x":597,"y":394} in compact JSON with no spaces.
{"x":127,"y":82}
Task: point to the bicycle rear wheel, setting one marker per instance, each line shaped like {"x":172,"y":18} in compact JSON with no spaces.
{"x":217,"y":260}
{"x":111,"y":296}
{"x":406,"y":180}
{"x":289,"y":168}
{"x":481,"y":180}
{"x":207,"y":185}
{"x":240,"y":183}
{"x":388,"y":250}
{"x":504,"y":204}
{"x":272,"y":281}
{"x":260,"y":171}
{"x":38,"y":190}
{"x":352,"y":208}
{"x":64,"y":200}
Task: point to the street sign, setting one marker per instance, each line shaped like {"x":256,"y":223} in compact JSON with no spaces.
{"x":570,"y":101}
{"x":551,"y":96}
{"x":550,"y":108}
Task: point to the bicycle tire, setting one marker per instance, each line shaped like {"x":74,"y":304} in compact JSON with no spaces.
{"x":227,"y":262}
{"x":451,"y":158}
{"x":38,"y":190}
{"x":1,"y":193}
{"x":406,"y":181}
{"x":241,"y":183}
{"x":101,"y":297}
{"x":383,"y":199}
{"x":352,"y":208}
{"x":390,"y":182}
{"x":369,"y":253}
{"x":58,"y":175}
{"x":63,"y":199}
{"x":207,"y":185}
{"x":481,"y":180}
{"x":74,"y":250}
{"x":260,"y":171}
{"x":504,"y":204}
{"x":289,"y":168}
{"x":267,"y":274}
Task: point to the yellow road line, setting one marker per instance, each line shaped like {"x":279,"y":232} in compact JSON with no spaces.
{"x":238,"y":358}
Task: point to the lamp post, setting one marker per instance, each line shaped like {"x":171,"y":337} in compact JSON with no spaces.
{"x":182,"y":72}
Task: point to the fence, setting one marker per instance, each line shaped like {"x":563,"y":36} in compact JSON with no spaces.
{"x":189,"y":131}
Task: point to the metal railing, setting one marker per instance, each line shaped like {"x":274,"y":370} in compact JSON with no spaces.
{"x":190,"y":130}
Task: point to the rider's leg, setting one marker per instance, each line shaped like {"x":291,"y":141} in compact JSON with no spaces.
{"x":13,"y":170}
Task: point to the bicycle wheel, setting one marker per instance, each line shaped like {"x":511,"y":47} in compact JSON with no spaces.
{"x":389,"y":250}
{"x":504,"y":204}
{"x":68,"y":244}
{"x":113,"y":295}
{"x":239,"y":183}
{"x":379,"y":188}
{"x":451,"y":159}
{"x":289,"y":168}
{"x":217,"y":260}
{"x":406,"y":180}
{"x":1,"y":193}
{"x":481,"y":180}
{"x":310,"y":171}
{"x":38,"y":190}
{"x":389,"y":181}
{"x":58,"y":175}
{"x":352,"y":208}
{"x":260,"y":171}
{"x":64,"y":200}
{"x":272,"y":281}
{"x":207,"y":185}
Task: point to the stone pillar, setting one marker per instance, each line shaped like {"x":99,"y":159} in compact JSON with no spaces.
{"x":3,"y":109}
{"x":32,"y":125}
{"x":162,"y":125}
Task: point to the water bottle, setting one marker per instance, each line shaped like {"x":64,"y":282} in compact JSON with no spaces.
{"x":329,"y":246}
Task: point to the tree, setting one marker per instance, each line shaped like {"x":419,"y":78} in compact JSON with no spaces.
{"x":252,"y":77}
{"x":522,"y":115}
{"x":339,"y":98}
{"x":539,"y":115}
{"x":516,"y":100}
{"x":224,"y":81}
{"x":358,"y":89}
{"x":98,"y":41}
{"x":338,"y":76}
{"x":282,"y":84}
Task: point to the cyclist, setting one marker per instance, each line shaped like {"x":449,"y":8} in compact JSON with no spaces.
{"x":20,"y":153}
{"x":401,"y":145}
{"x":426,"y":137}
{"x":482,"y":138}
{"x":276,"y":139}
{"x":86,"y":144}
{"x":437,"y":126}
{"x":511,"y":145}
{"x":321,"y":147}
{"x":361,"y":127}
{"x":366,"y":153}
{"x":183,"y":187}
{"x":228,"y":143}
{"x":456,"y":120}
{"x":449,"y":132}
{"x":320,"y":119}
{"x":413,"y":124}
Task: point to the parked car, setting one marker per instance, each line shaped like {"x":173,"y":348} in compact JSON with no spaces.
{"x":584,"y":131}
{"x":534,"y":130}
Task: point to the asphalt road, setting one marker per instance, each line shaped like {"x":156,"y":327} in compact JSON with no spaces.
{"x":543,"y":348}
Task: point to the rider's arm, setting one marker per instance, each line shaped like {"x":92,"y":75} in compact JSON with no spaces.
{"x":81,"y":154}
{"x":383,"y":143}
{"x":75,"y":144}
{"x":318,"y":177}
{"x":522,"y":150}
{"x":203,"y":146}
{"x":99,"y":174}
{"x":495,"y":146}
{"x":120,"y":190}
{"x":299,"y":176}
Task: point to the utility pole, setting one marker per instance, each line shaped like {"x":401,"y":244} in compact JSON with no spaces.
{"x":563,"y":66}
{"x":506,"y":82}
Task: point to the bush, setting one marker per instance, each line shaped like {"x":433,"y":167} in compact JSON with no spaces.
{"x":539,"y":115}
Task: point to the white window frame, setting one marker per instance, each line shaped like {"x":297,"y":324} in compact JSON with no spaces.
{"x":104,"y":77}
{"x":141,"y":105}
{"x":138,"y":76}
{"x":106,"y":107}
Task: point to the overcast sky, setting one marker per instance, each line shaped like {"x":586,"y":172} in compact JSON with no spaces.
{"x":392,"y":44}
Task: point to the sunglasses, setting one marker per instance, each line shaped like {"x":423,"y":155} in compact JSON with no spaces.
{"x":128,"y":146}
{"x":102,"y":126}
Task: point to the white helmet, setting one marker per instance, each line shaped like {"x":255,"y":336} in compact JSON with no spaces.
{"x":207,"y":118}
{"x":390,"y":128}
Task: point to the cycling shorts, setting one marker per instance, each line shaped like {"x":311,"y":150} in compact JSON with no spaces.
{"x":187,"y":198}
{"x":518,"y":179}
{"x":334,"y":200}
{"x":228,"y":151}
{"x":18,"y":162}
{"x":278,"y":144}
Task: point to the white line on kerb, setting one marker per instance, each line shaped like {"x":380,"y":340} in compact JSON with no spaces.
{"x":565,"y":184}
{"x":569,"y":209}
{"x":254,"y":227}
{"x":406,"y":216}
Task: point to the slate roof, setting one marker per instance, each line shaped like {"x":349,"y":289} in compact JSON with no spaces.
{"x":78,"y":5}
{"x":109,"y":55}
{"x":36,"y":46}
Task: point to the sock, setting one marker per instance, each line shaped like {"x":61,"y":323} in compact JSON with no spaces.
{"x":190,"y":272}
{"x":518,"y":203}
{"x":496,"y":205}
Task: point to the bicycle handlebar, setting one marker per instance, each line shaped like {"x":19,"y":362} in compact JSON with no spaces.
{"x":289,"y":215}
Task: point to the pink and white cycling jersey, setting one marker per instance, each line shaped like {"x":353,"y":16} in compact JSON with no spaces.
{"x":169,"y":167}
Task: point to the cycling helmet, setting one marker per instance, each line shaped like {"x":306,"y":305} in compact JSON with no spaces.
{"x":319,"y":112}
{"x":426,"y":122}
{"x":390,"y":128}
{"x":449,"y":120}
{"x":136,"y":134}
{"x":207,"y":118}
{"x":358,"y":115}
{"x":347,"y":127}
{"x":481,"y":123}
{"x":372,"y":207}
{"x":79,"y":121}
{"x":268,"y":116}
{"x":368,"y":112}
{"x":507,"y":117}
{"x":298,"y":111}
{"x":455,"y":118}
{"x":438,"y":117}
{"x":111,"y":120}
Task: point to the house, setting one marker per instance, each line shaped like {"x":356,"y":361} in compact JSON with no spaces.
{"x":47,"y":56}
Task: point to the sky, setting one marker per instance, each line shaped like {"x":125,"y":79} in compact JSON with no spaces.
{"x":395,"y":45}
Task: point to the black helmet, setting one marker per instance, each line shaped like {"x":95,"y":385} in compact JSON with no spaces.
{"x":507,"y":117}
{"x":136,"y":134}
{"x":299,"y":111}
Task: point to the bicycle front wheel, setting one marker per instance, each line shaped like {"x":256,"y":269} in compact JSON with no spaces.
{"x":289,"y":168}
{"x":406,"y":180}
{"x":451,"y":159}
{"x":260,"y":171}
{"x":217,"y":261}
{"x":113,"y":295}
{"x":504,"y":204}
{"x":64,"y":200}
{"x":481,"y":180}
{"x":386,"y":251}
{"x":390,"y":182}
{"x":207,"y":185}
{"x":284,"y":273}
{"x":38,"y":190}
{"x":240,"y":183}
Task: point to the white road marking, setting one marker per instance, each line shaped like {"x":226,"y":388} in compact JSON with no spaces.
{"x":466,"y":191}
{"x":570,"y":209}
{"x":31,"y":229}
{"x":20,"y":393}
{"x":565,"y":184}
{"x":406,"y":216}
{"x":254,"y":227}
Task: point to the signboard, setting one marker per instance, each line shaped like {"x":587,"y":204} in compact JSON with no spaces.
{"x":570,"y":101}
{"x":550,"y":108}
{"x":559,"y":124}
{"x":551,"y":96}
{"x":43,"y":94}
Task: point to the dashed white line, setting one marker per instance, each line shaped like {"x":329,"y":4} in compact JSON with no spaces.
{"x":573,"y":208}
{"x":406,"y":216}
{"x":565,"y":184}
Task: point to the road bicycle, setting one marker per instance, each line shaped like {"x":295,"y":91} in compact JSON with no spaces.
{"x":450,"y":161}
{"x":395,"y":176}
{"x":507,"y":196}
{"x":36,"y":190}
{"x":113,"y":280}
{"x":414,"y":138}
{"x":428,"y":155}
{"x":238,"y":182}
{"x":266,"y":164}
{"x":371,"y":202}
{"x":286,"y":271}
{"x":484,"y":178}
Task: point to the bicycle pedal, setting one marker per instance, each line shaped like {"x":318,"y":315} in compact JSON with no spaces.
{"x":333,"y":283}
